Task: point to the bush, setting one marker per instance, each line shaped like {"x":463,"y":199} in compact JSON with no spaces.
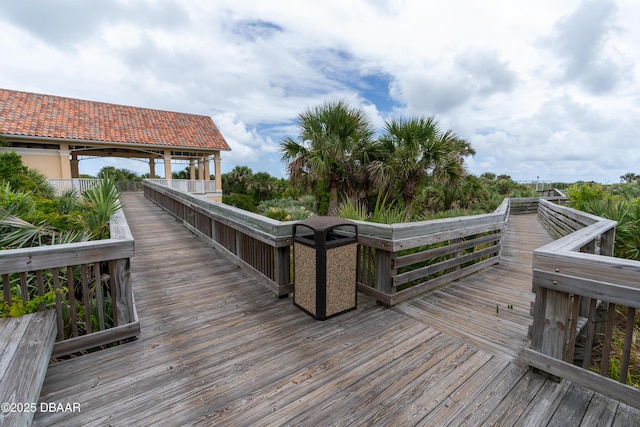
{"x":22,"y":178}
{"x":288,"y":209}
{"x":583,"y":193}
{"x":242,"y":201}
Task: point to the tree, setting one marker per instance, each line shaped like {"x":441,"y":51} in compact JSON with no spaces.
{"x":417,"y":152}
{"x":20,"y":177}
{"x":332,"y":138}
{"x":184,"y":173}
{"x":118,"y":174}
{"x":629,"y":177}
{"x":237,"y":180}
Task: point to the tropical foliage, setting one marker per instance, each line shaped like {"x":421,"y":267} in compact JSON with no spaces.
{"x":416,"y":153}
{"x":31,"y":215}
{"x":413,"y":164}
{"x":246,"y":190}
{"x":288,"y":209}
{"x":616,"y":202}
{"x":333,"y":146}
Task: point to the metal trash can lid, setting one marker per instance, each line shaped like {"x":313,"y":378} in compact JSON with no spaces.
{"x":322,"y":226}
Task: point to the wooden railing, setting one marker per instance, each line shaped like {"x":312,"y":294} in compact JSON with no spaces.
{"x":396,"y":261}
{"x":554,"y":193}
{"x":400,"y":261}
{"x":97,"y":307}
{"x":262,"y":246}
{"x":585,"y":304}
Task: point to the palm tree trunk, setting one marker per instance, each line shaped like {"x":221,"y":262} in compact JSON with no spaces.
{"x":333,"y":198}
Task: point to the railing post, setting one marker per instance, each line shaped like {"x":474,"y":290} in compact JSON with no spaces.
{"x":537,"y":328}
{"x":383,"y":271}
{"x":121,"y":276}
{"x":556,"y":324}
{"x":607,"y":241}
{"x":283,"y":266}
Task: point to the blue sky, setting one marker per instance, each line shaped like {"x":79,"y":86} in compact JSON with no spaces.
{"x":543,"y":89}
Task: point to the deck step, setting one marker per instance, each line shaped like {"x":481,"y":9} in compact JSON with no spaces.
{"x":25,"y":348}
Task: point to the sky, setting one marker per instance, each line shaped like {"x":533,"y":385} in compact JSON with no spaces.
{"x":543,"y":89}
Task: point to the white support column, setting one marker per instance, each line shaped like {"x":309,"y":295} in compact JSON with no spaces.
{"x":167,"y":164}
{"x":201,"y":168}
{"x":216,"y":158}
{"x":207,"y":173}
{"x":65,"y":163}
{"x":192,"y":170}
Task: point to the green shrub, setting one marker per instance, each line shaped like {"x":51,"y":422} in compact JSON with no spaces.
{"x":242,"y":201}
{"x":100,"y":202}
{"x":582,"y":193}
{"x":288,"y":209}
{"x":22,"y":178}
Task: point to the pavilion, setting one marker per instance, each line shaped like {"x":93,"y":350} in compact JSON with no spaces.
{"x":52,"y":134}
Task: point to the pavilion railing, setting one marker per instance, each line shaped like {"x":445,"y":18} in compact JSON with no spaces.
{"x":187,"y":185}
{"x":79,"y":185}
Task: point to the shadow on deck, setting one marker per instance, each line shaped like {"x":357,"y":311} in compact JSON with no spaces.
{"x":217,"y":348}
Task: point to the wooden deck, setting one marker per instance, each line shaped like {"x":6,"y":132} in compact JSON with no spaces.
{"x":216,"y":348}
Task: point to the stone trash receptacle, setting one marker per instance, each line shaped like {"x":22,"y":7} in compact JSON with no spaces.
{"x":325,"y":255}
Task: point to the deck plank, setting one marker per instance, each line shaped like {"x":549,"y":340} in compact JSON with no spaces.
{"x":218,"y":348}
{"x":26,"y":343}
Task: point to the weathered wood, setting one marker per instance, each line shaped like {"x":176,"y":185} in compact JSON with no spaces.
{"x":539,"y":310}
{"x":591,"y":329}
{"x":120,"y":277}
{"x":31,"y":264}
{"x":25,"y":349}
{"x":572,"y":408}
{"x":608,"y":337}
{"x":628,"y":340}
{"x":585,"y":284}
{"x":216,"y":348}
{"x":47,"y":257}
{"x":574,"y":329}
{"x":428,"y":285}
{"x":454,"y":248}
{"x":456,"y":262}
{"x":556,"y":324}
{"x":601,"y":411}
{"x":588,"y":379}
{"x":96,"y":339}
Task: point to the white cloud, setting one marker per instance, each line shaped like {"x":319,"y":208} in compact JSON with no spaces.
{"x":539,"y":88}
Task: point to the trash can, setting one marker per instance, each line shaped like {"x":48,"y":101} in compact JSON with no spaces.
{"x":325,"y":254}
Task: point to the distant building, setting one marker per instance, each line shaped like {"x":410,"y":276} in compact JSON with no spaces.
{"x":52,"y":133}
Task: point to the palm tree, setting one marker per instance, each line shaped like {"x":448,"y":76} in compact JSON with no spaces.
{"x":417,"y":151}
{"x":331,"y":145}
{"x":629,"y":177}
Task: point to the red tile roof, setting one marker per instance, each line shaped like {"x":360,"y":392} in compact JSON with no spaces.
{"x":48,"y":116}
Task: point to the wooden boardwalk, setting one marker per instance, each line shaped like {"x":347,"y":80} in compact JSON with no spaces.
{"x":218,"y":349}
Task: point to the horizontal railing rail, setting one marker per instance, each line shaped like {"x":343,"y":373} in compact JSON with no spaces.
{"x":584,"y":315}
{"x":187,"y":185}
{"x":79,"y":185}
{"x":89,"y":282}
{"x":400,"y":261}
{"x":395,"y":261}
